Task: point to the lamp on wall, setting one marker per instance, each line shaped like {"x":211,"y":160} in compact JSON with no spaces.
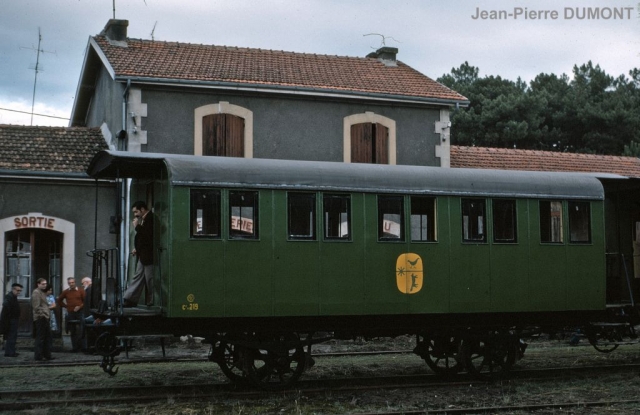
{"x":135,"y":124}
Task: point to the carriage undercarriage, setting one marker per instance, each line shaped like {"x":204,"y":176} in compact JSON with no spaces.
{"x":275,"y":359}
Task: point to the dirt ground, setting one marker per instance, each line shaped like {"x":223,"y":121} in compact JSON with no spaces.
{"x":542,"y":353}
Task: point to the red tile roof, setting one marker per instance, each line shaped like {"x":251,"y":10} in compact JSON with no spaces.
{"x":512,"y":159}
{"x":268,"y":68}
{"x":48,"y":149}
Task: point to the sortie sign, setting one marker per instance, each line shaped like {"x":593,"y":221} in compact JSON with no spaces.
{"x":34,"y":221}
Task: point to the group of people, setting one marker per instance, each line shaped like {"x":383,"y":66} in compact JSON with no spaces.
{"x":74,"y":299}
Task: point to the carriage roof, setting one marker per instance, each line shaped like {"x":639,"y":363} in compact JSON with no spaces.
{"x":195,"y":171}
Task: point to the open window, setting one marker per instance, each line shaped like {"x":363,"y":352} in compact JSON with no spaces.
{"x":205,"y":213}
{"x":474,"y":220}
{"x":337,"y":217}
{"x":551,"y":227}
{"x":579,"y":222}
{"x":423,"y":219}
{"x":504,"y":221}
{"x":301,"y":216}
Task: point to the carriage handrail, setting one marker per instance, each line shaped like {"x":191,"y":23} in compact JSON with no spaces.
{"x":106,"y":265}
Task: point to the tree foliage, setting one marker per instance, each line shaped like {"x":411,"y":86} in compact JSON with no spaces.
{"x":590,"y":112}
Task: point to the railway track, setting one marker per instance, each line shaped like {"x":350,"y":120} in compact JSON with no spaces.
{"x":15,"y":400}
{"x":97,"y":359}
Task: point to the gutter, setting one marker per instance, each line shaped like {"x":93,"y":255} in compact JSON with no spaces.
{"x":293,"y":90}
{"x":46,"y":175}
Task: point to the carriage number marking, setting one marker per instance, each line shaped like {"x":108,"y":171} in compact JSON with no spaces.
{"x":192,"y":306}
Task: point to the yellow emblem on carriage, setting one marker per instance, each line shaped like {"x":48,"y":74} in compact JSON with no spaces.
{"x":409,"y":273}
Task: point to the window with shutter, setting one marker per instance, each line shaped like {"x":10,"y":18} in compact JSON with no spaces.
{"x":369,"y":143}
{"x":223,"y":135}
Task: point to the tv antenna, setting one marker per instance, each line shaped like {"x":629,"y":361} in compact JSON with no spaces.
{"x":154,"y":29}
{"x":37,"y":69}
{"x":384,"y":38}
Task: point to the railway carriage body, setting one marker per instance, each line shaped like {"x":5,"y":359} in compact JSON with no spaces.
{"x":248,"y":245}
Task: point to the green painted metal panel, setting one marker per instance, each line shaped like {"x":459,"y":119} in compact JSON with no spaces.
{"x":586,"y":284}
{"x":342,"y":268}
{"x":510,"y":267}
{"x":296,"y":267}
{"x":197,"y":280}
{"x":275,"y":276}
{"x":380,"y":287}
{"x":470,"y":286}
{"x":249,"y":288}
{"x":547,"y":267}
{"x":434,"y":295}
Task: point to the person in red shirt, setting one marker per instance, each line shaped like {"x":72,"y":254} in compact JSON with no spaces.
{"x":73,"y":300}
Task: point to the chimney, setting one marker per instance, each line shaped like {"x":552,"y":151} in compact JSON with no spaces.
{"x":116,"y":30}
{"x":386,"y":55}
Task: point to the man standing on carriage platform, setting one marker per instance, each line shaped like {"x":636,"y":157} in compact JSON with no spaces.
{"x":143,"y":251}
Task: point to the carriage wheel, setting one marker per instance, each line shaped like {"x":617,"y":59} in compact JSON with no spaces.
{"x":603,"y":339}
{"x":489,"y":356}
{"x":278,"y":366}
{"x":441,"y":353}
{"x":107,"y":344}
{"x":229,"y":358}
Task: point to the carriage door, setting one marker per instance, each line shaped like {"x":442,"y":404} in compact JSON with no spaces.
{"x":31,"y":254}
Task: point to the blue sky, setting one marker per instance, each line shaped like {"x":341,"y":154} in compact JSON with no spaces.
{"x":432,"y":36}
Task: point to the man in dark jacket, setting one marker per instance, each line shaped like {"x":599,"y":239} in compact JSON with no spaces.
{"x":10,"y":317}
{"x":143,"y":251}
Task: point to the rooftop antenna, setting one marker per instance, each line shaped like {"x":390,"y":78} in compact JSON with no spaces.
{"x":37,"y":69}
{"x":154,"y":29}
{"x":384,"y":38}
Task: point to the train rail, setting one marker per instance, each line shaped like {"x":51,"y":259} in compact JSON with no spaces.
{"x":27,"y":399}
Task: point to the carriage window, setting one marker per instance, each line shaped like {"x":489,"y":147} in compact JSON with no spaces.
{"x":423,"y":219}
{"x":302,"y":216}
{"x":337,"y":217}
{"x":504,"y":221}
{"x":390,"y":218}
{"x":205,"y":213}
{"x":473,"y":220}
{"x":551,"y":221}
{"x":243,"y":212}
{"x":579,"y":222}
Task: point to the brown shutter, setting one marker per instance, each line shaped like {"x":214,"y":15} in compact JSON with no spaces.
{"x":381,"y":146}
{"x":361,"y":143}
{"x":235,"y":136}
{"x":212,"y":135}
{"x":222,"y":135}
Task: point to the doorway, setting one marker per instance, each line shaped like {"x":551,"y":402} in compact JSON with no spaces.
{"x":31,"y":254}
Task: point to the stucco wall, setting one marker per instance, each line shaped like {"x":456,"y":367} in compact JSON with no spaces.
{"x":285,"y":127}
{"x":71,"y":202}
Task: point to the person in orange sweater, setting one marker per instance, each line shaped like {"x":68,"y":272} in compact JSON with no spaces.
{"x":73,"y":300}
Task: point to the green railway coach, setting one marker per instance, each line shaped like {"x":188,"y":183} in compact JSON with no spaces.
{"x":270,"y":246}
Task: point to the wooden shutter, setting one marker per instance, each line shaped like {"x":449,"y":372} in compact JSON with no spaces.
{"x":361,"y":143}
{"x":381,"y":146}
{"x":235,"y":136}
{"x":222,"y":135}
{"x":369,"y":143}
